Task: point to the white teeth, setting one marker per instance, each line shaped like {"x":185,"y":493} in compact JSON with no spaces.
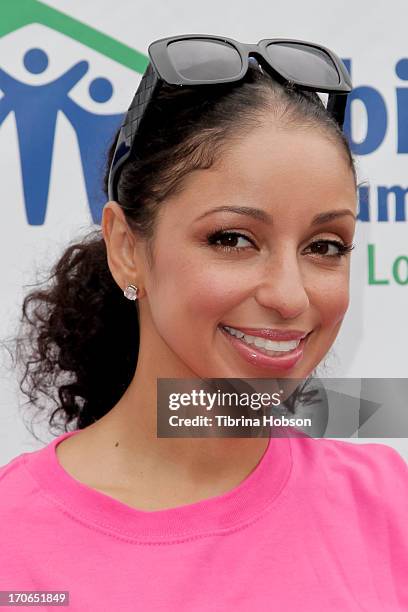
{"x":263,"y":343}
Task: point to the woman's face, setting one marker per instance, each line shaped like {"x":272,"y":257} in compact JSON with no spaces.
{"x":282,"y":273}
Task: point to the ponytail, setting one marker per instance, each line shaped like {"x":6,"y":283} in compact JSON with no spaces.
{"x":86,"y":337}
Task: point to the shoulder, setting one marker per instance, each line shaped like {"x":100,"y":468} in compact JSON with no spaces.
{"x":367,"y":469}
{"x":373,"y":460}
{"x":354,"y":454}
{"x":17,"y":487}
{"x":11,"y":471}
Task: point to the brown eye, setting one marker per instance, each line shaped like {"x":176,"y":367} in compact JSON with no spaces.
{"x":330,"y":248}
{"x":229,"y":240}
{"x":321,"y":248}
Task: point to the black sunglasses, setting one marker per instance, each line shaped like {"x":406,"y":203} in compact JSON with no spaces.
{"x":200,"y":59}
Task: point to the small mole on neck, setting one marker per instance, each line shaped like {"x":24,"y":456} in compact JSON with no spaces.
{"x":117,"y":444}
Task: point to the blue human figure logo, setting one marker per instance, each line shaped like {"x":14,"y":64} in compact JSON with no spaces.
{"x":35,"y":108}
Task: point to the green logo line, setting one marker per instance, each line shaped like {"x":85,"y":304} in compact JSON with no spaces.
{"x":14,"y":14}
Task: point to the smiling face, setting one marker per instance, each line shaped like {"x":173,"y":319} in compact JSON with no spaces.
{"x":282,"y":272}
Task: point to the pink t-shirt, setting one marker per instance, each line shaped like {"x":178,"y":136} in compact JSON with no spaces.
{"x":319,"y":524}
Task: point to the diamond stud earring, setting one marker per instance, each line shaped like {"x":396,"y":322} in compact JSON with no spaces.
{"x":131,"y":292}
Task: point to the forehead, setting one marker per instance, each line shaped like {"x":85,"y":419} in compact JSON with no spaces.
{"x":282,"y":170}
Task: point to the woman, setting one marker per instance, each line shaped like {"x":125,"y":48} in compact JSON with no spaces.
{"x":232,"y":205}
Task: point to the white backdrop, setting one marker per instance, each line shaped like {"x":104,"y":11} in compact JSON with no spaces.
{"x":370,"y":35}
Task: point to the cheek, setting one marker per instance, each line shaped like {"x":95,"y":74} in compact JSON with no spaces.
{"x":187,"y":294}
{"x":205,"y":294}
{"x":330,"y":297}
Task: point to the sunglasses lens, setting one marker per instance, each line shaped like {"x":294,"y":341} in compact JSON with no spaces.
{"x":303,"y":63}
{"x":204,"y":60}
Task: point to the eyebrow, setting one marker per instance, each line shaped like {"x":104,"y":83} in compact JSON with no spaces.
{"x":262,"y":215}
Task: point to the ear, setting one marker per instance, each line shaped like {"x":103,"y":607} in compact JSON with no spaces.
{"x":120,"y":246}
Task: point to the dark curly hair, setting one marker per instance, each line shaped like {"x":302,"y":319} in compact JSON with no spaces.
{"x":78,"y":339}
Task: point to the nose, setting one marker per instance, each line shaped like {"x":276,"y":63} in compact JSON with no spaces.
{"x":282,"y":287}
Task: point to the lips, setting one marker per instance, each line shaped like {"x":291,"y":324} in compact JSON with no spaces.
{"x":273,"y":362}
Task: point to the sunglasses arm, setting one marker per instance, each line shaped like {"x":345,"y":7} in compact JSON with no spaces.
{"x":336,"y":106}
{"x":148,"y":87}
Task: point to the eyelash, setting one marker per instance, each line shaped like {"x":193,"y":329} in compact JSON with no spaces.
{"x":212,"y":237}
